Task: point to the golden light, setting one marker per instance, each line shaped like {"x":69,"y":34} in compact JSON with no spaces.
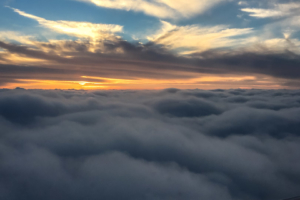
{"x":205,"y":82}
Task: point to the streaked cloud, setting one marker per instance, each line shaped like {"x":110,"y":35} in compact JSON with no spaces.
{"x":196,"y":38}
{"x":278,"y":34}
{"x":16,"y":36}
{"x":75,"y":28}
{"x":279,"y":10}
{"x":145,"y":66}
{"x":159,"y":8}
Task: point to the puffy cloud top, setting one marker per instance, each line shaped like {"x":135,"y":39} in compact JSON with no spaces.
{"x":169,"y":144}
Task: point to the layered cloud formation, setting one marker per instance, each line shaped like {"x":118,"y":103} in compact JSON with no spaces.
{"x":118,"y":64}
{"x":170,"y":144}
{"x":154,"y":44}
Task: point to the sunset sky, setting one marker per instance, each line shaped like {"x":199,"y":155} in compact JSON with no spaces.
{"x":149,"y":44}
{"x":149,"y":99}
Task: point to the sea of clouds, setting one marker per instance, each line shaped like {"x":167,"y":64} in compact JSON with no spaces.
{"x":149,"y":145}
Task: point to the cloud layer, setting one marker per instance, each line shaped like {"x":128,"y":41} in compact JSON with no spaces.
{"x":170,"y":144}
{"x":102,"y":63}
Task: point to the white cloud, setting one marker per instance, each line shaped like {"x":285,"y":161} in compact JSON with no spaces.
{"x":191,"y":39}
{"x":78,"y":29}
{"x":287,"y":25}
{"x":197,"y":38}
{"x":263,"y":13}
{"x":279,"y":10}
{"x":15,"y":36}
{"x":276,"y":45}
{"x":159,"y":8}
{"x":282,"y":44}
{"x":191,"y":7}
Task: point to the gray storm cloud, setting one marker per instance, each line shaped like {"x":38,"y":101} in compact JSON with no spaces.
{"x":169,"y":144}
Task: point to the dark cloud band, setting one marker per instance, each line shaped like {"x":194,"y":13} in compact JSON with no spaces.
{"x":151,"y":61}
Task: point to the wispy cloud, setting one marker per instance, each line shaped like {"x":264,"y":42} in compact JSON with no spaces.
{"x":284,"y":19}
{"x":15,"y":36}
{"x":196,"y":37}
{"x":159,"y":8}
{"x":75,"y":28}
{"x":279,"y":10}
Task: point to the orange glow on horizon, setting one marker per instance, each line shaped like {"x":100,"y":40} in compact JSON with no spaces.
{"x":205,"y":82}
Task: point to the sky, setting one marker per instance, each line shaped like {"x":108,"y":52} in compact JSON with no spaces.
{"x":149,"y":99}
{"x":149,"y":44}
